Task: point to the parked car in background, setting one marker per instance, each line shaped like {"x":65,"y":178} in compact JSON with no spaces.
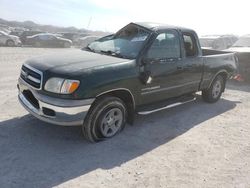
{"x":48,"y":40}
{"x":102,"y":39}
{"x":242,"y":50}
{"x":144,"y":68}
{"x":85,"y":41}
{"x":105,"y":38}
{"x":217,"y":42}
{"x":9,"y":40}
{"x":73,"y":36}
{"x":25,"y":34}
{"x":16,"y":33}
{"x":68,"y":35}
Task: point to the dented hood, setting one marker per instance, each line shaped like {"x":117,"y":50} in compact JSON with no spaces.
{"x":72,"y":62}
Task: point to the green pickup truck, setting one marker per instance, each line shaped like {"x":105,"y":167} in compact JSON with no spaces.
{"x":143,"y":68}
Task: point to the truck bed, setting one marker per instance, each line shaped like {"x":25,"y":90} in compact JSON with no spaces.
{"x":215,"y":61}
{"x":209,"y":52}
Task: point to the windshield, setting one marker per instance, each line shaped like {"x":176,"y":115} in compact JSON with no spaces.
{"x":127,"y":43}
{"x":242,"y":42}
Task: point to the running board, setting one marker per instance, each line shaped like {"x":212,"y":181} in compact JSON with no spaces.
{"x":165,"y":107}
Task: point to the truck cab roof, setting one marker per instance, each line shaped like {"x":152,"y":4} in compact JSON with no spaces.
{"x":160,"y":26}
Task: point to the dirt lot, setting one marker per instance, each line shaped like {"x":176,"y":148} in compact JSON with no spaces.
{"x":194,"y":145}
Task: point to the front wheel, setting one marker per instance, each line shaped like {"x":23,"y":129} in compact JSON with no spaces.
{"x":106,"y":118}
{"x":213,"y":93}
{"x":10,"y":43}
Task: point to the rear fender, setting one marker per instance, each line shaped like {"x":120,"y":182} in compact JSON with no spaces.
{"x":224,"y":74}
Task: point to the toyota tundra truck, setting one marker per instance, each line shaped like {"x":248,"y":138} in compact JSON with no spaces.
{"x":143,"y":68}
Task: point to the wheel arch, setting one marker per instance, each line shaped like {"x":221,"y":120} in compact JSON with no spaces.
{"x":126,"y":96}
{"x":222,"y":73}
{"x":6,"y":42}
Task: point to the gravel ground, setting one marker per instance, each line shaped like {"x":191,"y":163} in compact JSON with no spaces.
{"x":194,"y":145}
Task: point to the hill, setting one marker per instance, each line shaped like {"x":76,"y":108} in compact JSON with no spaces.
{"x":30,"y":25}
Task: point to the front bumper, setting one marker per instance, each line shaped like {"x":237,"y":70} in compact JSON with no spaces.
{"x":53,"y":110}
{"x":18,"y":43}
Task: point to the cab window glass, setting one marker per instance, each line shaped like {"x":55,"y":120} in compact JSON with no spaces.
{"x":43,"y":37}
{"x":190,"y":45}
{"x":165,"y":46}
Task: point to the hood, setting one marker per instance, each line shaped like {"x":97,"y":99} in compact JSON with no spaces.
{"x":14,"y":37}
{"x":238,"y":49}
{"x":73,"y":62}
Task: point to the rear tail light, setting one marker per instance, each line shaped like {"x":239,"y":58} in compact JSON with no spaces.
{"x":239,"y":78}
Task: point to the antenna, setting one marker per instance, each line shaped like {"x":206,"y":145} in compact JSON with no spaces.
{"x":90,"y":19}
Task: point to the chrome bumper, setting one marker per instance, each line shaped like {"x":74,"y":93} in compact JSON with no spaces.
{"x":65,"y":112}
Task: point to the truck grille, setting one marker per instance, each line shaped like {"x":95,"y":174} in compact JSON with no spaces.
{"x":32,"y":76}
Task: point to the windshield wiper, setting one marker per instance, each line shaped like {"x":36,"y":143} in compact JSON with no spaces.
{"x":87,"y":48}
{"x":116,"y":54}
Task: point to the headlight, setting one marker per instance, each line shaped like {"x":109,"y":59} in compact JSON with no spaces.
{"x":63,"y":86}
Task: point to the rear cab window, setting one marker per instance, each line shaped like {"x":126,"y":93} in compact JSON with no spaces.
{"x":190,"y":45}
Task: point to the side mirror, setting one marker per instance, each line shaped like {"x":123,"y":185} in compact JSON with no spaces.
{"x":144,"y":60}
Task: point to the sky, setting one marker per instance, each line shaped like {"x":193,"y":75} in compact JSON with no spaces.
{"x":204,"y":16}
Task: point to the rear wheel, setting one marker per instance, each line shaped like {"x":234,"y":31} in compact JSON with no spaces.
{"x":213,"y":93}
{"x":10,"y":43}
{"x":105,"y":119}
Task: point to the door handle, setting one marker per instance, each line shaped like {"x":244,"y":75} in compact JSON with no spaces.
{"x":189,"y":66}
{"x":179,"y":67}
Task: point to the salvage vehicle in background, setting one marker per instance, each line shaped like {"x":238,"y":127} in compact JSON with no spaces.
{"x":48,"y":40}
{"x":16,"y":33}
{"x":25,"y":34}
{"x":85,"y":41}
{"x":74,"y":36}
{"x":9,"y":40}
{"x":68,"y":35}
{"x":217,"y":42}
{"x":102,"y":39}
{"x":144,"y":68}
{"x":242,"y":50}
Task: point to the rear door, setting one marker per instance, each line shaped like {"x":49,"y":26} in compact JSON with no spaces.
{"x":43,"y":39}
{"x":53,"y":41}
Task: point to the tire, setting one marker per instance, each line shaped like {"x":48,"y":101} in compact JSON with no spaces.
{"x":106,"y":118}
{"x":213,"y":93}
{"x":10,"y":43}
{"x":66,"y":45}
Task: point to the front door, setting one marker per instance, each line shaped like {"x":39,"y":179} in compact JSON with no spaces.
{"x":163,"y":68}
